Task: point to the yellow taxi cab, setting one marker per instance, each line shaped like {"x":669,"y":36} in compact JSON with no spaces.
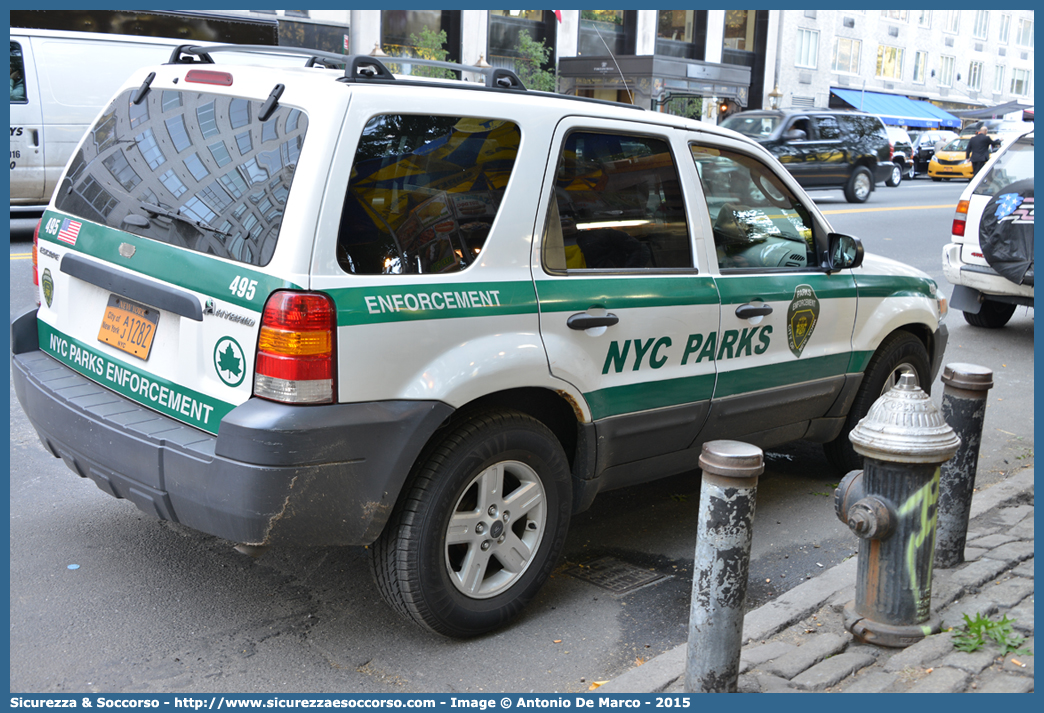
{"x":951,"y":161}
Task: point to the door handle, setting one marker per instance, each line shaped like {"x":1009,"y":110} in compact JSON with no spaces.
{"x":583,"y":320}
{"x":751,"y":310}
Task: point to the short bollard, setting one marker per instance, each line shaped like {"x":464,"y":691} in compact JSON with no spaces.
{"x":719,"y":581}
{"x":891,"y":506}
{"x":964,"y":408}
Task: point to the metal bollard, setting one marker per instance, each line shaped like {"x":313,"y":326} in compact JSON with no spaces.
{"x":719,"y":582}
{"x":964,"y":408}
{"x":891,"y":506}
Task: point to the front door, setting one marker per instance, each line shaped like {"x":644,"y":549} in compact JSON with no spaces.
{"x":784,"y":344}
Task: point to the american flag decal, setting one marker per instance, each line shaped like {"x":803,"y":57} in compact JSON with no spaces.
{"x":69,"y":230}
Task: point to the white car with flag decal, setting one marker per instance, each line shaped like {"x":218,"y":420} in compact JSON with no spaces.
{"x":330,"y":305}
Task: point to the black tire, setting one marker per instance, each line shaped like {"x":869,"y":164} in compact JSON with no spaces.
{"x":896,"y":176}
{"x":898,"y":353}
{"x":936,"y":178}
{"x":859,"y":185}
{"x":992,"y":315}
{"x":423,"y":576}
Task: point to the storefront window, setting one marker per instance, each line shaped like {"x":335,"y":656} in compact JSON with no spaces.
{"x":506,"y":28}
{"x":606,"y":32}
{"x":401,"y":31}
{"x":739,"y":30}
{"x":681,"y":33}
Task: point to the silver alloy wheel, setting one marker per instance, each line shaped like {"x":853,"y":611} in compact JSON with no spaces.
{"x":496,"y":529}
{"x":861,"y":187}
{"x":897,"y":174}
{"x":897,"y":372}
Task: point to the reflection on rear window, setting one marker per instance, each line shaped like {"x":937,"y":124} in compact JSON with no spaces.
{"x":424,"y":192}
{"x":139,"y":171}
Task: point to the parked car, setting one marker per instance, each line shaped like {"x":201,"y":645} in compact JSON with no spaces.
{"x":823,"y":149}
{"x":991,"y":280}
{"x":330,"y":305}
{"x":902,"y":155}
{"x":924,"y":144}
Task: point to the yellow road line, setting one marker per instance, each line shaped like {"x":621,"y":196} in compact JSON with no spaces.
{"x":951,"y":206}
{"x":21,"y":256}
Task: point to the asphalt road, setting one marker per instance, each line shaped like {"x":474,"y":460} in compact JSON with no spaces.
{"x":152,"y":606}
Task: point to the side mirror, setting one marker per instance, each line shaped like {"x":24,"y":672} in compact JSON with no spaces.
{"x":843,"y":252}
{"x":795,"y":135}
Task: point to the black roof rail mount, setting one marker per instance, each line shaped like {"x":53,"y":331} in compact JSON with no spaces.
{"x":356,"y":67}
{"x":190,"y":54}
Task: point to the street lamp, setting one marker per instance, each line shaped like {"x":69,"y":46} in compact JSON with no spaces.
{"x":775,"y":97}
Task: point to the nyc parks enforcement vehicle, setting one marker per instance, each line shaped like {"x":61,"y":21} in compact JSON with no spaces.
{"x":329,"y":305}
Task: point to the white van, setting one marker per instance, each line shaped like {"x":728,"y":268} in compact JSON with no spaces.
{"x":59,"y":83}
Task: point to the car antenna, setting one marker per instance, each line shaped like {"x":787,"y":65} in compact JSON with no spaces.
{"x":613,"y":56}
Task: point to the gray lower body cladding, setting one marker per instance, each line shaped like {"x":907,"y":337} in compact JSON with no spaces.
{"x":312,"y":475}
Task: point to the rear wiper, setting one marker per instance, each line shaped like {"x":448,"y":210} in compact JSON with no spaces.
{"x":155,"y":210}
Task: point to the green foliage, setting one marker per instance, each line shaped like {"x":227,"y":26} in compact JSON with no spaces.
{"x":976,"y":632}
{"x":533,"y":56}
{"x":430,"y":46}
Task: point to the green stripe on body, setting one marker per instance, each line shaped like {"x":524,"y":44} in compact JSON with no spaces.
{"x":617,"y":400}
{"x":165,"y":397}
{"x":771,"y":376}
{"x":407,"y":302}
{"x":895,"y":286}
{"x":199,"y":272}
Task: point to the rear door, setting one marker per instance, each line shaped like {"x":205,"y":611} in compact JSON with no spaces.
{"x":626,"y":313}
{"x":784,"y":344}
{"x":27,"y":154}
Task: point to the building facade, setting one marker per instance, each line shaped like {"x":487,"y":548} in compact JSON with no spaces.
{"x":706,"y":63}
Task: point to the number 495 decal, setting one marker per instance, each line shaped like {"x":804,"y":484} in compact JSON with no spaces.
{"x":242,"y":287}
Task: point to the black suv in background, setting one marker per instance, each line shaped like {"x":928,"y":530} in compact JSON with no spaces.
{"x":823,"y":149}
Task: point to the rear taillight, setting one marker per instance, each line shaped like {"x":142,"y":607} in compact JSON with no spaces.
{"x":960,"y":219}
{"x":295,"y":349}
{"x":891,"y":150}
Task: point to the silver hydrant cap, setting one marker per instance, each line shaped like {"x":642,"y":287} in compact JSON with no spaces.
{"x":904,"y":426}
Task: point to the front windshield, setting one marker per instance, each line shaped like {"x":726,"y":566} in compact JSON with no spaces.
{"x":957,"y":145}
{"x":1015,"y":164}
{"x":758,"y":127}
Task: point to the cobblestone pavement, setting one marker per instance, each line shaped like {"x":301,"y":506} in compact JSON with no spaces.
{"x":798,"y":643}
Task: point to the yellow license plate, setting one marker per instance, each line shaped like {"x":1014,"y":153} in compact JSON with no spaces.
{"x":129,"y":326}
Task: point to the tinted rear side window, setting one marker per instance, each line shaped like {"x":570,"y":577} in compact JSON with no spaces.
{"x":863,"y":126}
{"x":424,"y":192}
{"x":189,"y":169}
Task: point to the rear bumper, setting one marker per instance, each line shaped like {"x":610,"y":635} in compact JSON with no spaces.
{"x":274,"y":474}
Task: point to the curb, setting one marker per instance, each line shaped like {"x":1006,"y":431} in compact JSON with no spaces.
{"x":656,"y":674}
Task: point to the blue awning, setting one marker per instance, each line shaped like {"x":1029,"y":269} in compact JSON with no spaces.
{"x":897,"y":110}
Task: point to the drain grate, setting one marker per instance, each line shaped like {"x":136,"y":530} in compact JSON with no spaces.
{"x":617,"y":576}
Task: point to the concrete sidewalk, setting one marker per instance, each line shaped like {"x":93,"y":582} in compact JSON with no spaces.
{"x":798,"y":642}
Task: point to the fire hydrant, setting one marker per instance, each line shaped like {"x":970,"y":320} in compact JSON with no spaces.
{"x":891,"y":506}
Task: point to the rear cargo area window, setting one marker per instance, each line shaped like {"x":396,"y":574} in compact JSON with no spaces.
{"x":424,"y":192}
{"x":163,"y":170}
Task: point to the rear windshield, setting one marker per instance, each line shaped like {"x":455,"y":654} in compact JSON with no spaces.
{"x":1015,"y":164}
{"x":190,"y":169}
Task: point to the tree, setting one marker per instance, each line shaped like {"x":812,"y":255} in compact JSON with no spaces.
{"x":529,"y":65}
{"x":430,"y":46}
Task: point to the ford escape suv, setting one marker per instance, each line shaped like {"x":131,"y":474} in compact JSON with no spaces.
{"x":331,"y":305}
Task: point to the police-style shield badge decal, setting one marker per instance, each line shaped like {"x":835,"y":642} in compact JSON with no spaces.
{"x":802,"y":316}
{"x":48,"y":285}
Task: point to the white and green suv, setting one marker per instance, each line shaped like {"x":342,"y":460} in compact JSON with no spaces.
{"x":330,"y":305}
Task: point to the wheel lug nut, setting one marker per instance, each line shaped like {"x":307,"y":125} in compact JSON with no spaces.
{"x":507,"y":516}
{"x":492,"y":511}
{"x":486,"y":544}
{"x":480,"y":528}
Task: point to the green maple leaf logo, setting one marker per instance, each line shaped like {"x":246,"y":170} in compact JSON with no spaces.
{"x":229,"y":361}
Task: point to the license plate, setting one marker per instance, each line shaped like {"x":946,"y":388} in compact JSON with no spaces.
{"x":129,"y":326}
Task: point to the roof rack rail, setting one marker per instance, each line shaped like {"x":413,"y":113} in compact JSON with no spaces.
{"x":356,"y":67}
